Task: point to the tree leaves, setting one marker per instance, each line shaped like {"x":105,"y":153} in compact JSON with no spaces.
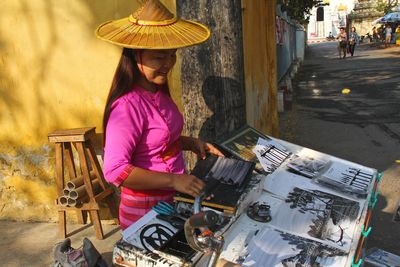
{"x":386,"y":6}
{"x":300,"y":9}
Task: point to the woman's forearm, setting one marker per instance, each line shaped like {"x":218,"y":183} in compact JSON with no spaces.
{"x":141,"y":179}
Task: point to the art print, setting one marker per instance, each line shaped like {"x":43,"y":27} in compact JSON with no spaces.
{"x":273,"y":247}
{"x":242,"y":144}
{"x":271,"y":154}
{"x":148,"y":233}
{"x":316,"y":214}
{"x":348,"y":178}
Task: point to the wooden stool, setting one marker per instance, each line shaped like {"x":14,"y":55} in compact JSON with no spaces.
{"x":90,"y":169}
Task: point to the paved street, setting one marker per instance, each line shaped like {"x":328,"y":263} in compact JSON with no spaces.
{"x":31,"y":244}
{"x":362,"y":126}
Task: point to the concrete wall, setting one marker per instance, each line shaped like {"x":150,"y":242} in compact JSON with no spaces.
{"x":300,"y":44}
{"x":291,"y":49}
{"x":54,"y":74}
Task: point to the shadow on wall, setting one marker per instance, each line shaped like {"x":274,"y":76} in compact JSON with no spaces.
{"x":227,"y":112}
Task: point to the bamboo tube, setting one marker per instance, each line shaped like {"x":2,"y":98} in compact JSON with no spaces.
{"x":78,"y":181}
{"x":80,"y":192}
{"x":71,"y":202}
{"x":66,"y":192}
{"x":63,"y":201}
{"x":73,"y":194}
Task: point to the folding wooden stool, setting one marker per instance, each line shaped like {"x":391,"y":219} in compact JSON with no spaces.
{"x":93,"y":187}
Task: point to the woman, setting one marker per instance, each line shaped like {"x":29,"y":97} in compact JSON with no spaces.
{"x":375,"y":36}
{"x":354,"y":40}
{"x":342,"y":45}
{"x":142,"y":124}
{"x":388,"y":35}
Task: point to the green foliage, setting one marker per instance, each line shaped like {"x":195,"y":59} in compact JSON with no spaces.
{"x":386,"y":6}
{"x":299,"y":9}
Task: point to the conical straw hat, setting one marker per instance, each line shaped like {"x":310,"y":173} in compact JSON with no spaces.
{"x":153,"y":26}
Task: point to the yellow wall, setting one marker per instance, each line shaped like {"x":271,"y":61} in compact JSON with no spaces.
{"x":260,"y":65}
{"x":54,"y":74}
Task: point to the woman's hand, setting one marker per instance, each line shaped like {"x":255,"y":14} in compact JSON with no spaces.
{"x":187,"y":184}
{"x":200,"y":147}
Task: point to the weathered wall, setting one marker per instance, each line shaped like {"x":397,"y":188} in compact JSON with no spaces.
{"x":364,"y":25}
{"x":54,"y":73}
{"x":212,"y":73}
{"x":260,"y":65}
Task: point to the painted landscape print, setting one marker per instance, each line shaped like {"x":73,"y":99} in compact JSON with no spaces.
{"x":273,"y":247}
{"x":320,"y":215}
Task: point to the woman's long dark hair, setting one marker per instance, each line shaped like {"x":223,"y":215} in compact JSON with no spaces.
{"x":126,"y":74}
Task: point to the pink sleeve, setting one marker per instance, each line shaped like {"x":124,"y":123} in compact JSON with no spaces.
{"x":123,"y":132}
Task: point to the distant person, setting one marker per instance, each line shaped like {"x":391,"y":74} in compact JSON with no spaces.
{"x":388,"y":35}
{"x":375,"y":35}
{"x":354,"y":40}
{"x":342,"y":45}
{"x":381,"y":34}
{"x":398,"y":35}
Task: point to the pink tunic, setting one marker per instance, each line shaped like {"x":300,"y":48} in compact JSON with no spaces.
{"x":143,"y":130}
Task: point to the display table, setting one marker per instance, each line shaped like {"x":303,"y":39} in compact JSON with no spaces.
{"x":315,"y":221}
